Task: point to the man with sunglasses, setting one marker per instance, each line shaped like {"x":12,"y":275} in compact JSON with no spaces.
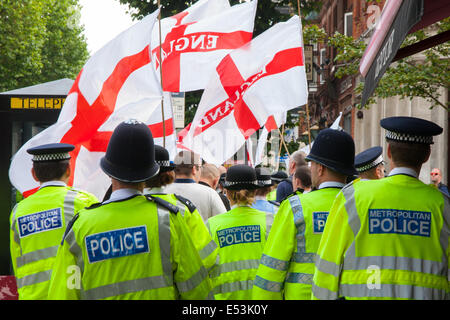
{"x":436,"y":178}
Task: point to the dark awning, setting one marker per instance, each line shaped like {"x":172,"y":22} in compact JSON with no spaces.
{"x":399,"y":17}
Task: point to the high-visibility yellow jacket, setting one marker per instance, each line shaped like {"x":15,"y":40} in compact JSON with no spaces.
{"x":129,"y":249}
{"x":205,"y":245}
{"x":37,"y":227}
{"x":385,"y":239}
{"x":287,"y":263}
{"x":241,"y":235}
{"x":272,"y":195}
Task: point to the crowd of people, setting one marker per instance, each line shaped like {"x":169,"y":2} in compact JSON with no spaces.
{"x":186,"y":229}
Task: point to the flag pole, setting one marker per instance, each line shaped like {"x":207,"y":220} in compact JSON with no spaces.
{"x":307,"y":107}
{"x":161,"y":75}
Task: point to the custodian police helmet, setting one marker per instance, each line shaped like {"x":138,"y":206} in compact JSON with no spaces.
{"x":130,"y":156}
{"x":335,"y":150}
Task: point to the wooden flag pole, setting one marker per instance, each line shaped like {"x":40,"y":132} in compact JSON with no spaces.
{"x":307,"y":107}
{"x":161,"y":75}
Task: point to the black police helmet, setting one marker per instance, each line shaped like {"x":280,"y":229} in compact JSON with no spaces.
{"x":130,"y":156}
{"x":335,"y":150}
{"x":241,"y":177}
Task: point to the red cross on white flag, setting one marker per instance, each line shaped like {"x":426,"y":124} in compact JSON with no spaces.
{"x":263,"y":78}
{"x":194,"y":42}
{"x":117,"y":83}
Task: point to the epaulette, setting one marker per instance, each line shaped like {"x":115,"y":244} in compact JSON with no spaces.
{"x":188,"y":203}
{"x":274,"y":203}
{"x":69,"y":227}
{"x":163,"y":203}
{"x":93,"y":206}
{"x":293,"y":194}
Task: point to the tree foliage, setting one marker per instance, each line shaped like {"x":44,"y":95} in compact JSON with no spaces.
{"x":41,"y":41}
{"x":407,"y":78}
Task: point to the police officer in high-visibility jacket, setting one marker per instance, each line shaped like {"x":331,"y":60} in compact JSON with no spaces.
{"x":38,"y":222}
{"x":201,"y":238}
{"x":261,"y":203}
{"x":388,"y":238}
{"x":130,"y":246}
{"x":287,"y":264}
{"x":240,"y":234}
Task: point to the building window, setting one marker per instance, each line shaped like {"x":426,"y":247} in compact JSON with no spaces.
{"x":348,"y":123}
{"x":348,"y":24}
{"x":322,"y":64}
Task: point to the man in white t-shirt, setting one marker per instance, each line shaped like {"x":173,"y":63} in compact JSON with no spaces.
{"x":187,"y":174}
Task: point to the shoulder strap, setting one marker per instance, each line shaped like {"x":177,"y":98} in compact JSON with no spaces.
{"x":188,"y":203}
{"x":95,"y":205}
{"x":163,"y":203}
{"x":69,"y":226}
{"x":274,"y":203}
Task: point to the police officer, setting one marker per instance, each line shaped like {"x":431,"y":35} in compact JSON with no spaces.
{"x":201,"y":238}
{"x":131,"y":246}
{"x":265,"y":181}
{"x":276,"y":177}
{"x":38,"y":222}
{"x":240,"y":234}
{"x":370,"y":164}
{"x":287,"y":264}
{"x":388,"y":238}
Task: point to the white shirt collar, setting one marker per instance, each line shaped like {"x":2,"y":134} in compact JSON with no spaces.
{"x":403,"y":170}
{"x":331,"y":184}
{"x":56,"y":183}
{"x":260,"y":198}
{"x":121,"y":194}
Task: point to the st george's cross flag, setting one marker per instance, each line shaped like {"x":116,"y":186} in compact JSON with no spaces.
{"x":262,"y":78}
{"x":117,"y":83}
{"x":193,"y":44}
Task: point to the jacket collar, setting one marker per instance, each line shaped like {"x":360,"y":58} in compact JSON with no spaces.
{"x":405,"y":171}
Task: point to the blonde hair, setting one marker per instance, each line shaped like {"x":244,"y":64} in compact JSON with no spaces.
{"x":243,"y":197}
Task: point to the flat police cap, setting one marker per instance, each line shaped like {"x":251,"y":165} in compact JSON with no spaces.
{"x":264,"y":178}
{"x":51,"y":152}
{"x":410,"y":129}
{"x":279,"y":176}
{"x":241,"y":177}
{"x":368,"y":159}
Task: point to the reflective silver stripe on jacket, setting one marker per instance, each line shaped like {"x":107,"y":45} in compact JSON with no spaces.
{"x":124,"y":287}
{"x":392,"y":291}
{"x":235,"y":266}
{"x":267,"y":285}
{"x":233,"y":286}
{"x":34,"y":279}
{"x":274,"y":263}
{"x":69,"y":205}
{"x":164,"y":243}
{"x":36,"y":256}
{"x":328,"y":267}
{"x":13,"y":227}
{"x":299,"y":277}
{"x":445,"y":232}
{"x":207,"y":250}
{"x":269,"y":222}
{"x":323,"y":294}
{"x":192,"y":282}
{"x":301,"y":256}
{"x":353,"y":218}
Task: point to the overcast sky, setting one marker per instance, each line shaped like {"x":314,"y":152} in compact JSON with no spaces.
{"x":103,"y":20}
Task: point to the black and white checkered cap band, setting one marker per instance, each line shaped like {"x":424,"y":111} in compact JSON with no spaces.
{"x":406,"y":137}
{"x":370,"y":165}
{"x":51,"y":157}
{"x":232,"y":183}
{"x":163,"y":163}
{"x":265,"y":182}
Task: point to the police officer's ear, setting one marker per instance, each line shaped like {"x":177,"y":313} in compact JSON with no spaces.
{"x":68,"y":172}
{"x":33,"y":173}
